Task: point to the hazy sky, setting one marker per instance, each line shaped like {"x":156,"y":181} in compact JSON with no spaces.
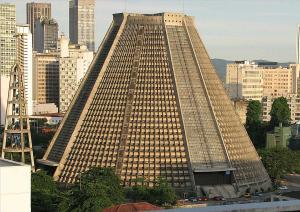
{"x":231,"y":29}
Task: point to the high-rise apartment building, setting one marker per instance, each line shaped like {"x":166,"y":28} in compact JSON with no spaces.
{"x":249,"y":81}
{"x":46,"y":78}
{"x":152,"y":106}
{"x":82,"y":23}
{"x":7,"y":52}
{"x":35,"y":11}
{"x":46,"y":35}
{"x":73,"y":67}
{"x":7,"y":38}
{"x":24,"y":60}
{"x":244,"y":81}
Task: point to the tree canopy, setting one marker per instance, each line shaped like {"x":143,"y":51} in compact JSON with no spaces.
{"x":280,"y":112}
{"x":44,"y":194}
{"x":255,"y":128}
{"x":161,"y":194}
{"x":279,"y":161}
{"x":253,"y":113}
{"x":97,"y":188}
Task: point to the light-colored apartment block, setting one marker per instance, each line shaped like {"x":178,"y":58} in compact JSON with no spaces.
{"x":244,"y":81}
{"x":24,"y":59}
{"x":249,"y":81}
{"x":73,"y":64}
{"x":7,"y":51}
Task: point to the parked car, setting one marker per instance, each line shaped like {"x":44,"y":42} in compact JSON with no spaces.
{"x":202,"y":198}
{"x":219,"y":198}
{"x":283,"y":188}
{"x":193,"y":199}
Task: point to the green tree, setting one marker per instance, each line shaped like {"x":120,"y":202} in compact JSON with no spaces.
{"x":279,"y":161}
{"x":97,"y":188}
{"x":280,"y":113}
{"x":253,"y":113}
{"x":255,"y":128}
{"x":161,"y":194}
{"x":44,"y":194}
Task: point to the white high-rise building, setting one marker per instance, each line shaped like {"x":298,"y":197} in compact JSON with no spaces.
{"x":7,"y":52}
{"x":24,"y":59}
{"x":73,"y":64}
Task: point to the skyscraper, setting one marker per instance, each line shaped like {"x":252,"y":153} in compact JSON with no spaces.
{"x":7,"y":35}
{"x":35,"y":11}
{"x":46,"y":34}
{"x":82,"y":22}
{"x":24,"y":60}
{"x":152,"y":106}
{"x":7,"y":52}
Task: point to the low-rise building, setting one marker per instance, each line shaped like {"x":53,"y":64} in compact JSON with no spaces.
{"x":279,"y":137}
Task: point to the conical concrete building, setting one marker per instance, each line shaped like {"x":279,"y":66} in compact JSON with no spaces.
{"x":152,"y":106}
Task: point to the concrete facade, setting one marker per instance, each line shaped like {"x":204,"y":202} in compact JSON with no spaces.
{"x":151,"y":105}
{"x":24,"y":59}
{"x":82,"y":23}
{"x":15,"y":186}
{"x":249,"y":81}
{"x":8,"y":52}
{"x":73,"y":64}
{"x":280,"y":137}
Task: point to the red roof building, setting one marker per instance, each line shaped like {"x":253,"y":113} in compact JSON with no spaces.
{"x":132,"y":207}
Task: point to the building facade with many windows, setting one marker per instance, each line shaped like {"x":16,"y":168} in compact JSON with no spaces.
{"x":82,"y":23}
{"x":72,"y":69}
{"x":46,"y":78}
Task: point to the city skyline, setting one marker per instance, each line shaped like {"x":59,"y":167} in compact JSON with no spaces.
{"x":252,"y":38}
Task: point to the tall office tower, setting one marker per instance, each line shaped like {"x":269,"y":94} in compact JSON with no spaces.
{"x":152,"y":106}
{"x":72,"y":69}
{"x":46,"y":35}
{"x":7,"y":52}
{"x":82,"y":22}
{"x":46,"y":78}
{"x":35,"y":11}
{"x":24,"y":59}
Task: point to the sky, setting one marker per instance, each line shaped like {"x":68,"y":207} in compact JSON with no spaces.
{"x":230,"y":29}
